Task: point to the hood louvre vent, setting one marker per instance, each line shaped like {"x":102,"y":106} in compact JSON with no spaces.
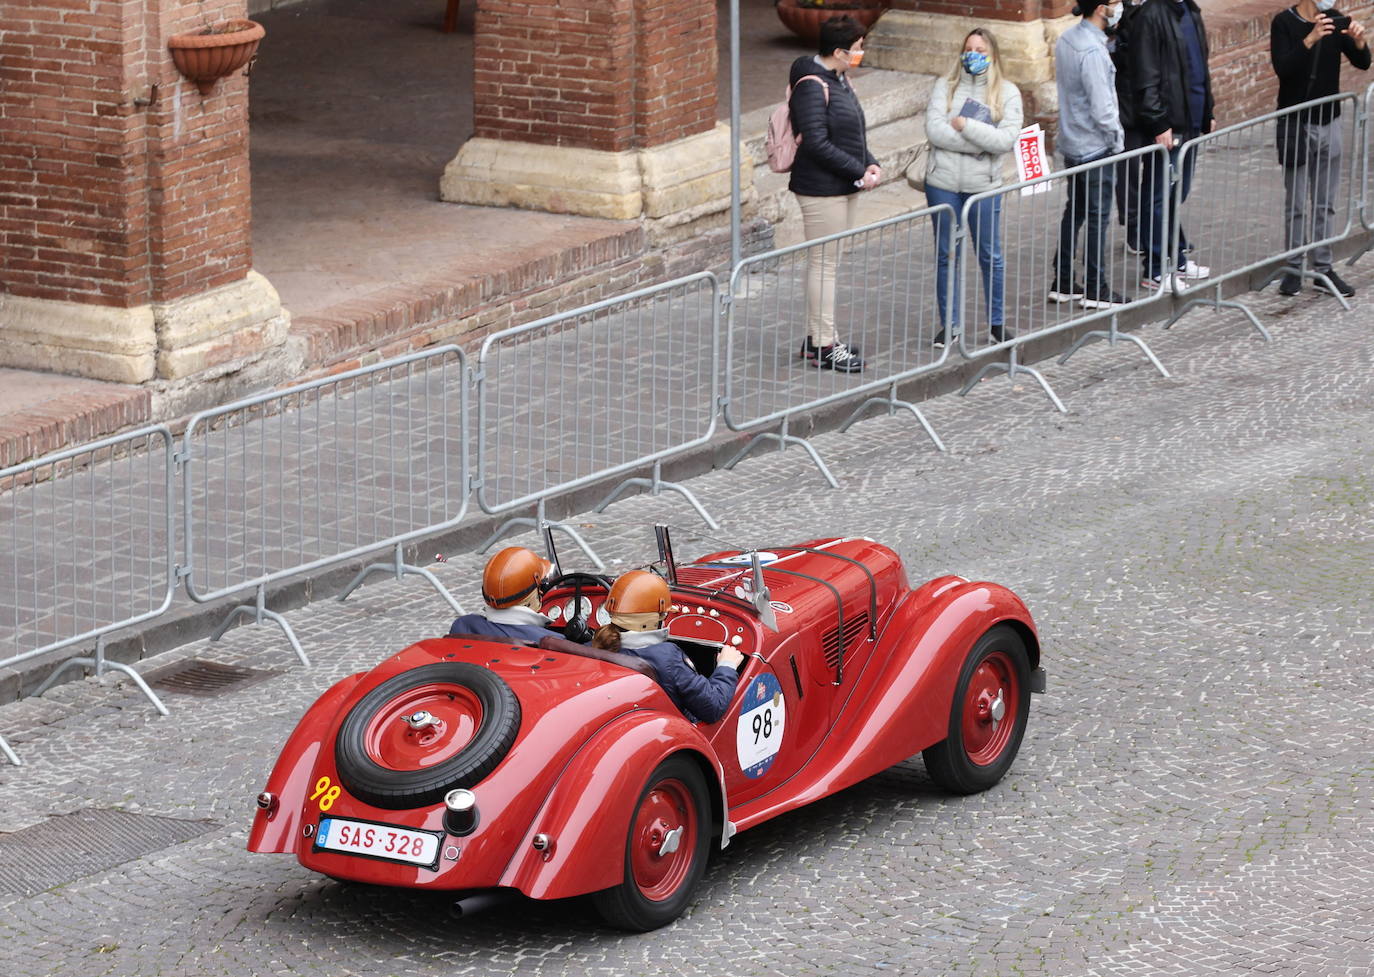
{"x":855,"y":629}
{"x":708,"y":576}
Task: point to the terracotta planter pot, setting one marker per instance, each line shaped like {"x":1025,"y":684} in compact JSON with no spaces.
{"x":806,"y":22}
{"x":205,"y":57}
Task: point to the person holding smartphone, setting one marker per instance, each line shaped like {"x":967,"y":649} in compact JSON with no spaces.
{"x":1306,"y":44}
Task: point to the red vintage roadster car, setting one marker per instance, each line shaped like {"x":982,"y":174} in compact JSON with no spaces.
{"x":489,"y":768}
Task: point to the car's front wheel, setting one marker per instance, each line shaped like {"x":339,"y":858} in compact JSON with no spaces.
{"x":665,"y":853}
{"x":987,"y":719}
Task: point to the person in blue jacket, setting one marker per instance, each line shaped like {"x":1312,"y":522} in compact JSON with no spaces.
{"x":511,"y":588}
{"x":638,"y":605}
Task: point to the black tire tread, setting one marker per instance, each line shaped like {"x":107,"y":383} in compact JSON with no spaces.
{"x":398,"y":790}
{"x":624,"y":906}
{"x":946,"y":762}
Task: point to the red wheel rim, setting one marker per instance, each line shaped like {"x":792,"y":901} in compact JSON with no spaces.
{"x":666,"y":819}
{"x":394,"y":743}
{"x":991,"y":707}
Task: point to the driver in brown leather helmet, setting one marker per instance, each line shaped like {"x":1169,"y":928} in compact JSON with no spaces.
{"x":638,"y":604}
{"x":512,"y":585}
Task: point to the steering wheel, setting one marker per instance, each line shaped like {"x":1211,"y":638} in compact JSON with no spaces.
{"x":577,"y":629}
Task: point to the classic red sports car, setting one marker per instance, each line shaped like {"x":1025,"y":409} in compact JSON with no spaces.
{"x":488,"y":767}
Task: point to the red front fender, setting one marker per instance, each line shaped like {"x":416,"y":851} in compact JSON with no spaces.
{"x":587,"y":815}
{"x":901,"y":700}
{"x":276,"y":830}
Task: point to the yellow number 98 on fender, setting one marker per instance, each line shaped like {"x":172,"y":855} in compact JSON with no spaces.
{"x":327,"y":793}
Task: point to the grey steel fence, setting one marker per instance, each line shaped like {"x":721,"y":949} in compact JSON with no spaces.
{"x":883,"y":294}
{"x":1056,"y":253}
{"x":595,"y":393}
{"x":323,"y":473}
{"x":1264,"y":192}
{"x":89,"y":549}
{"x":1365,"y":201}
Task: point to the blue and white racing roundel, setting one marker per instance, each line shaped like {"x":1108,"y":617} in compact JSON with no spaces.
{"x":762,"y":716}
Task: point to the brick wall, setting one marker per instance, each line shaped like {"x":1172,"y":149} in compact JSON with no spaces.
{"x":599,"y":74}
{"x":1243,"y":79}
{"x":676,"y":72}
{"x":104,"y":198}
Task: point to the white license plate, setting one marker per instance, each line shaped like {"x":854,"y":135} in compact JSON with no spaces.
{"x":385,"y":841}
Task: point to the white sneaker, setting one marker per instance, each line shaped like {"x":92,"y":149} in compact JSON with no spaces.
{"x":1174,"y":283}
{"x":1192,"y":271}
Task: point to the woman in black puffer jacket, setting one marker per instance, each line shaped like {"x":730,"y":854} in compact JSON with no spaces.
{"x":833,"y":164}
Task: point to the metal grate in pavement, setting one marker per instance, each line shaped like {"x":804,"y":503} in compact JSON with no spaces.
{"x":72,"y":846}
{"x":207,"y":679}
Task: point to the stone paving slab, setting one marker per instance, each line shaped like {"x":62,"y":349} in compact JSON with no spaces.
{"x":1193,"y":795}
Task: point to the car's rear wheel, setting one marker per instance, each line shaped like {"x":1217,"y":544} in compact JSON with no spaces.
{"x":987,"y":719}
{"x":424,"y":732}
{"x":665,"y":853}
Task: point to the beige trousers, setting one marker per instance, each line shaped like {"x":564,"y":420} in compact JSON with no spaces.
{"x":822,"y":216}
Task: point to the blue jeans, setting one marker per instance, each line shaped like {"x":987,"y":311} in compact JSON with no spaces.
{"x":1158,"y":237}
{"x":985,"y":228}
{"x":1090,"y":199}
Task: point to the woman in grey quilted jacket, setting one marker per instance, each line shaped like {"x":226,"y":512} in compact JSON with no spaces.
{"x":973,"y":119}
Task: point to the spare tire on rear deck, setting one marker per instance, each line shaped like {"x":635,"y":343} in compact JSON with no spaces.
{"x":387,"y":762}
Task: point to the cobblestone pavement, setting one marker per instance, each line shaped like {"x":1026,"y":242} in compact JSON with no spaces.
{"x":1193,"y":795}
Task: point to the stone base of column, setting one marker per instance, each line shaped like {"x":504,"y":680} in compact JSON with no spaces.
{"x":671,"y":187}
{"x":186,"y":343}
{"x":927,"y":43}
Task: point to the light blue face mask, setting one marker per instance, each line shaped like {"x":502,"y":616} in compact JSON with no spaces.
{"x":975,"y":62}
{"x":1325,"y":5}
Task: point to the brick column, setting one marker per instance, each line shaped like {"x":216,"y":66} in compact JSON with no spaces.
{"x":598,"y":107}
{"x":124,"y":198}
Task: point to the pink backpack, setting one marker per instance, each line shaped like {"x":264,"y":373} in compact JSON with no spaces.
{"x":781,"y":144}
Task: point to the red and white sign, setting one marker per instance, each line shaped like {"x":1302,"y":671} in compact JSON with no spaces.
{"x":1031,"y":162}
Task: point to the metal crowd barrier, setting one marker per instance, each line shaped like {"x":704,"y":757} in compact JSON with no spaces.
{"x":884,"y":297}
{"x":1032,"y":222}
{"x":1235,"y":221}
{"x":1365,"y":203}
{"x":597,"y":392}
{"x":319,"y":474}
{"x":90,"y":549}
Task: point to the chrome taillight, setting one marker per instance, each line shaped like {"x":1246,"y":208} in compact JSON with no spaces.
{"x":460,"y":812}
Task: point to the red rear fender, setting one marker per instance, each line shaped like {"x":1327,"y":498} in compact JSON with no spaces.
{"x":275,"y":830}
{"x":587,"y":815}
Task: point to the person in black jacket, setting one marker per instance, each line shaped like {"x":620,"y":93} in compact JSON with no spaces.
{"x":1128,"y":185}
{"x":1172,"y":103}
{"x":1306,"y":50}
{"x":833,"y":164}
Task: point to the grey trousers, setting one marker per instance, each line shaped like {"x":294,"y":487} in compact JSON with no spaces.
{"x":1310,"y":190}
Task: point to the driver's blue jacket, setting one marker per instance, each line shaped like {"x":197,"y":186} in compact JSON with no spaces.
{"x":701,"y":698}
{"x":520,"y":623}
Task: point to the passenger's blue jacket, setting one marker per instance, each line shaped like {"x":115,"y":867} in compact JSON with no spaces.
{"x":510,"y":622}
{"x":701,"y":698}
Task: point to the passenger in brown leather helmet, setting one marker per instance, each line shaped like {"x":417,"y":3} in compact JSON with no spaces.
{"x":638,"y":604}
{"x":511,"y":587}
